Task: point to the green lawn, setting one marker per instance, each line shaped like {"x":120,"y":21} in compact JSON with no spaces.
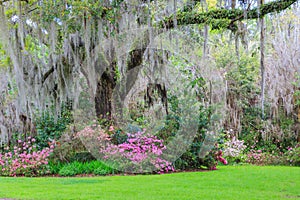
{"x":232,"y":182}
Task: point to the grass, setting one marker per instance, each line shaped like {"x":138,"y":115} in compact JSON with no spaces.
{"x":230,"y":182}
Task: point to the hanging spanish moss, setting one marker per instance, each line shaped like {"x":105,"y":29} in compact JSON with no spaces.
{"x":66,"y":51}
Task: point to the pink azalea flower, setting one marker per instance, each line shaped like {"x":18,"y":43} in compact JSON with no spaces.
{"x":225,"y":162}
{"x":111,"y":128}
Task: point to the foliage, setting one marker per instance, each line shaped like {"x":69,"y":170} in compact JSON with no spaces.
{"x":258,"y":157}
{"x":54,"y":167}
{"x":83,"y":156}
{"x":192,"y":159}
{"x":118,"y":136}
{"x":293,"y":155}
{"x":233,"y":149}
{"x":70,"y":170}
{"x":79,"y":168}
{"x":86,"y":18}
{"x":224,"y":18}
{"x":50,"y":127}
{"x":170,"y":127}
{"x":25,"y":159}
{"x":5,"y":60}
{"x":297,"y":92}
{"x":70,"y":148}
{"x":268,"y":155}
{"x":271,"y":134}
{"x":138,"y":153}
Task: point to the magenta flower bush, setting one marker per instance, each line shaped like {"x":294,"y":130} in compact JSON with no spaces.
{"x":218,"y":156}
{"x":140,"y":152}
{"x":24,"y":159}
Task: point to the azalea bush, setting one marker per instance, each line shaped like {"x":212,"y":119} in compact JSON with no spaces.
{"x":70,"y":148}
{"x":233,"y":149}
{"x":140,"y":152}
{"x":258,"y":157}
{"x":143,"y":152}
{"x":293,"y":155}
{"x":25,"y":159}
{"x":265,"y":153}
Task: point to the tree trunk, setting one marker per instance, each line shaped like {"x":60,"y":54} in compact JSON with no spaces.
{"x":262,"y":58}
{"x":103,"y":96}
{"x":205,"y":43}
{"x":233,"y":4}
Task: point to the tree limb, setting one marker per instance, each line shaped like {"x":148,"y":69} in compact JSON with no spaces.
{"x":47,"y":74}
{"x":3,"y":1}
{"x":197,"y":17}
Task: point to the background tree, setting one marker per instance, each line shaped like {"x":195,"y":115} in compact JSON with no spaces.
{"x":53,"y":45}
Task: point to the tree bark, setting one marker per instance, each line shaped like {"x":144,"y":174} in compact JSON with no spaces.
{"x":262,"y":60}
{"x":104,"y":93}
{"x":233,"y":4}
{"x":198,"y":17}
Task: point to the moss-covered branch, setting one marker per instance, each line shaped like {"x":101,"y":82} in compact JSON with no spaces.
{"x":3,"y":1}
{"x":224,"y":18}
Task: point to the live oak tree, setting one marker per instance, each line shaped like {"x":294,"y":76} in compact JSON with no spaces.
{"x":51,"y":45}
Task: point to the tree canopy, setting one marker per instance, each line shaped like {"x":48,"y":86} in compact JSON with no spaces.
{"x":50,"y":46}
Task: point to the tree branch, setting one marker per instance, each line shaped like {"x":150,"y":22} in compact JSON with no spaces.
{"x":47,"y":74}
{"x":3,"y":1}
{"x":197,"y":17}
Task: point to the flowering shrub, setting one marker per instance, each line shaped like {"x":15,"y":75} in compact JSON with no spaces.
{"x":234,"y":147}
{"x":192,"y":161}
{"x":263,"y":155}
{"x":142,"y":150}
{"x":25,"y":159}
{"x":139,"y":153}
{"x":218,"y":156}
{"x":293,"y":155}
{"x":256,"y":157}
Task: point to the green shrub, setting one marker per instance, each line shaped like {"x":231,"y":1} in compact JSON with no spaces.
{"x":54,"y":167}
{"x":70,"y":148}
{"x":101,"y":171}
{"x":50,"y":127}
{"x":68,"y":170}
{"x":72,"y":169}
{"x":83,"y":156}
{"x":191,"y":158}
{"x":118,"y":137}
{"x":76,"y":168}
